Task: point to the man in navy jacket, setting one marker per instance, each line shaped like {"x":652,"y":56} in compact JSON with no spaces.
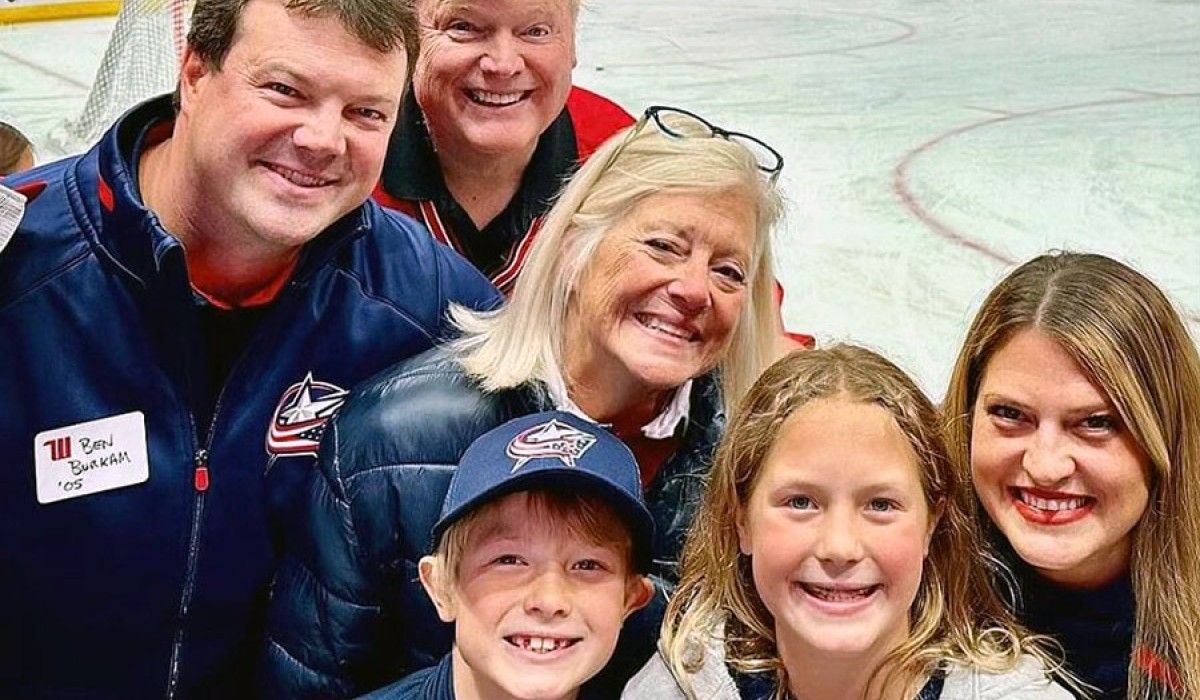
{"x":182,"y":309}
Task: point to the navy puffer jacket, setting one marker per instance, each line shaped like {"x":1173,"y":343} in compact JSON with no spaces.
{"x":348,"y":613}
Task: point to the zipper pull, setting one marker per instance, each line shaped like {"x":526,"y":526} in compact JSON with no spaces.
{"x":200,"y":476}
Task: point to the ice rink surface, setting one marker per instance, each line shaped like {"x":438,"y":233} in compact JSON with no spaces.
{"x":929,"y":144}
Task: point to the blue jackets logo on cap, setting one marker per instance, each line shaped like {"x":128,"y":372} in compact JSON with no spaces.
{"x":547,"y":441}
{"x":300,"y":417}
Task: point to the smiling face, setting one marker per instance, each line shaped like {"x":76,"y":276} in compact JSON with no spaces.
{"x":1053,"y":464}
{"x":837,"y":528}
{"x":493,"y":74}
{"x":289,"y":134}
{"x":537,"y":606}
{"x":663,"y":291}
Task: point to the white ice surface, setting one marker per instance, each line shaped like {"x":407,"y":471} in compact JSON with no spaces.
{"x":929,"y":143}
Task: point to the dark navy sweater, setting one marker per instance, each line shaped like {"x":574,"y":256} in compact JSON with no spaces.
{"x":437,"y":683}
{"x":1094,"y":626}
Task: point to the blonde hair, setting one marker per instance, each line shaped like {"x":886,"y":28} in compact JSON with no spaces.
{"x":584,"y":515}
{"x":956,"y":615}
{"x":523,"y":341}
{"x":1122,"y":330}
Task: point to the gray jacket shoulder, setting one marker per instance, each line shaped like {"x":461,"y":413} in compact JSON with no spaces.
{"x":656,"y":682}
{"x":1029,"y":680}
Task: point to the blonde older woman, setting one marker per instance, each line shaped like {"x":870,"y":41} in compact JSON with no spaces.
{"x":646,"y":305}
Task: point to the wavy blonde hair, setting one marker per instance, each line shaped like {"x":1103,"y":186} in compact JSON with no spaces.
{"x":1124,"y":333}
{"x":523,"y":341}
{"x":956,"y":615}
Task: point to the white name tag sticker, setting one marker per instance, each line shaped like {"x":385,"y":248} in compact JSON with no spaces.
{"x":12,"y":208}
{"x":86,"y":458}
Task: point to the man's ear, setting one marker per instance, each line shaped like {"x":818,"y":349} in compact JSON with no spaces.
{"x":192,"y":72}
{"x":638,"y":594}
{"x":435,"y":580}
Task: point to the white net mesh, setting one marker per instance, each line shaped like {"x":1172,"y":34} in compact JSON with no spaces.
{"x":141,"y":60}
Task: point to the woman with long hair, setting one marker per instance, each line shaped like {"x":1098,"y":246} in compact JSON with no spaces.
{"x":1074,"y":407}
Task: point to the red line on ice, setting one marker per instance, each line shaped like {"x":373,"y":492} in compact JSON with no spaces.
{"x":901,"y":183}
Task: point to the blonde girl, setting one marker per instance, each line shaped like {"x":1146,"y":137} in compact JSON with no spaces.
{"x":833,"y":556}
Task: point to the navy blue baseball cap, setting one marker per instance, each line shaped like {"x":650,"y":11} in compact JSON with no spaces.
{"x":555,"y":450}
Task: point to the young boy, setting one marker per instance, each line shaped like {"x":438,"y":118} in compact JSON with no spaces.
{"x":540,"y":556}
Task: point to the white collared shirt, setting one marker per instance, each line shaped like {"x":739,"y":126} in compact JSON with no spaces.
{"x":662,"y":427}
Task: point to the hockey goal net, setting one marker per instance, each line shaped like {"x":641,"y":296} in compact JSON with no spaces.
{"x":141,"y":60}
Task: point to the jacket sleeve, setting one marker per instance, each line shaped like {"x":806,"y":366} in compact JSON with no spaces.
{"x":1028,"y":680}
{"x":347,"y":613}
{"x":323,"y":603}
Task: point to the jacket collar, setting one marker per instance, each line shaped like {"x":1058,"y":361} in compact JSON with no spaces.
{"x":127,"y":231}
{"x":660,"y":427}
{"x":439,"y":684}
{"x":706,"y":415}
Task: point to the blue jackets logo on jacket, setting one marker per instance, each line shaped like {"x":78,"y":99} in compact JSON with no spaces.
{"x":300,"y":417}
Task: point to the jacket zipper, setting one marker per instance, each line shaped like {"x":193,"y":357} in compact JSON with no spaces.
{"x":200,"y":483}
